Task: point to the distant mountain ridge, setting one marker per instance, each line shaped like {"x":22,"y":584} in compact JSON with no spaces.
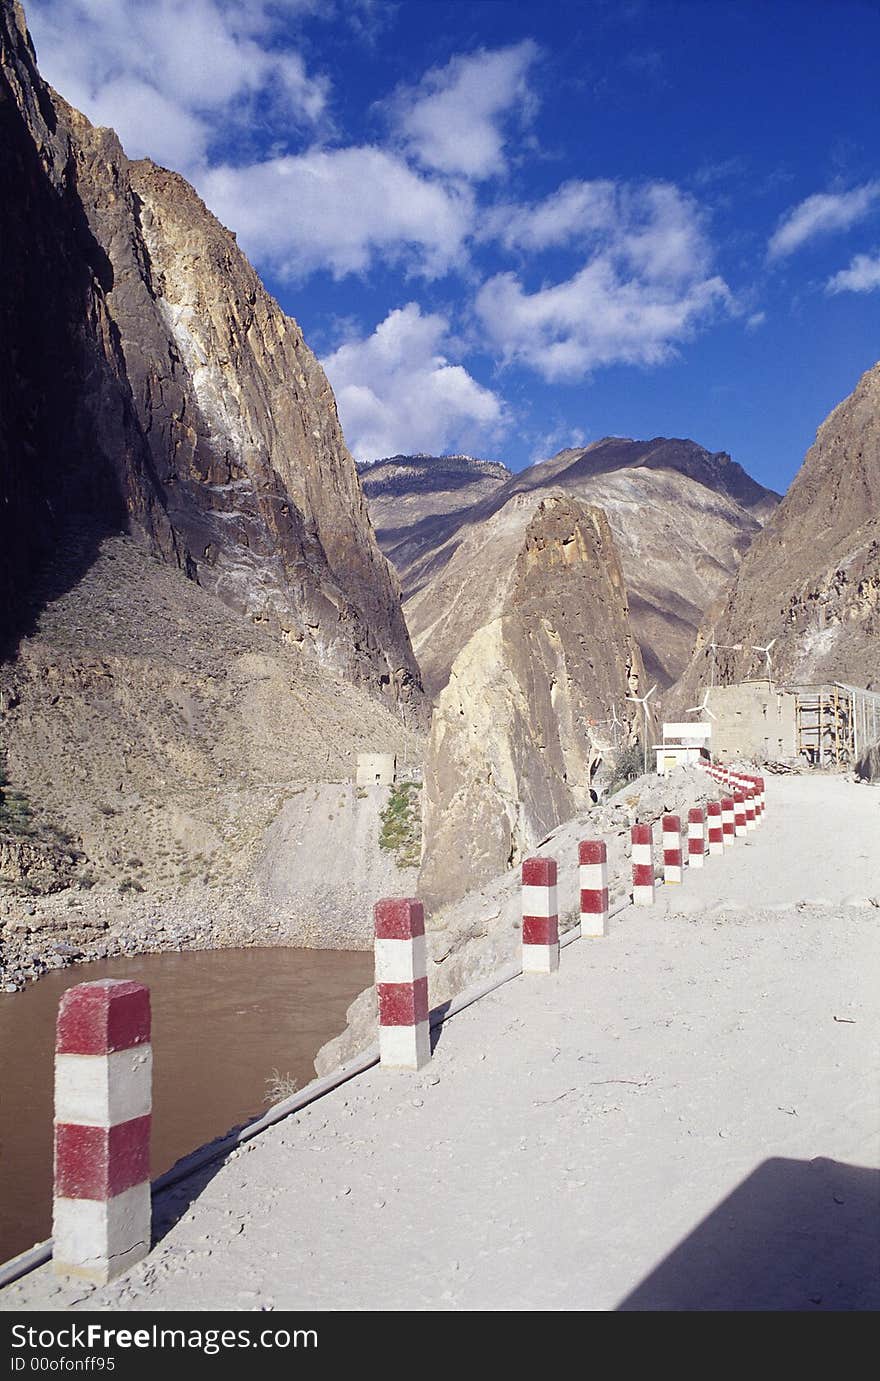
{"x":402,"y":474}
{"x":681,"y":515}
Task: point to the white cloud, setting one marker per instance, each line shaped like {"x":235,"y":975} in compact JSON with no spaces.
{"x":756,"y":320}
{"x":574,"y":212}
{"x":338,"y":208}
{"x":644,"y":288}
{"x":822,"y":214}
{"x":397,"y":393}
{"x":165,"y":74}
{"x":454,"y":119}
{"x":656,"y":229}
{"x":862,"y":276}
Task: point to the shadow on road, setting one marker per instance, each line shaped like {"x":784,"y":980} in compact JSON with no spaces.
{"x":795,"y":1236}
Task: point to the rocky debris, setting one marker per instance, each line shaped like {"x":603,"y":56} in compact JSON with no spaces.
{"x":75,"y":926}
{"x":511,"y":752}
{"x":482,"y":931}
{"x":151,"y":384}
{"x":36,"y":864}
{"x":811,"y":580}
{"x":323,"y":853}
{"x":681,"y":518}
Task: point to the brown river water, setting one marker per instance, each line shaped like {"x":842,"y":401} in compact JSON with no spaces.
{"x":223,"y":1021}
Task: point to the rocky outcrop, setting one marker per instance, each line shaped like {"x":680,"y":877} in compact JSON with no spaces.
{"x":150,"y":384}
{"x":681,"y":517}
{"x":811,"y":580}
{"x":511,"y":749}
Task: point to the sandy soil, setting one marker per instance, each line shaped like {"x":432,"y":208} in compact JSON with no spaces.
{"x":684,"y":1118}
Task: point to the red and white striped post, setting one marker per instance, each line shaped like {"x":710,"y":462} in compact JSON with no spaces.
{"x":756,"y":786}
{"x":728,"y":819}
{"x":762,"y":797}
{"x":540,"y":918}
{"x":672,"y":860}
{"x":749,"y":800}
{"x":402,"y":983}
{"x":593,"y":880}
{"x":103,"y":1102}
{"x":715,"y":828}
{"x":642,"y":865}
{"x":739,"y":813}
{"x":696,"y":837}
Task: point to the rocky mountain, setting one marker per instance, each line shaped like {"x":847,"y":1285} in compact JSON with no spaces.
{"x":412,"y":498}
{"x":811,"y":579}
{"x":151,"y":384}
{"x":198,"y":626}
{"x":681,"y":517}
{"x":511,"y":750}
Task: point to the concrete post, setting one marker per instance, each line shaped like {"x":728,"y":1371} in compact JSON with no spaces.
{"x":716,"y":828}
{"x":540,"y":916}
{"x":739,"y":813}
{"x":103,"y":1101}
{"x":402,"y":983}
{"x":696,"y":837}
{"x":672,"y":862}
{"x":642,"y":865}
{"x":593,"y":880}
{"x":749,"y":802}
{"x":728,"y":820}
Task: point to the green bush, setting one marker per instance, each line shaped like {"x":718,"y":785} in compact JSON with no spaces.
{"x":16,"y":815}
{"x":401,"y":832}
{"x":629,"y":763}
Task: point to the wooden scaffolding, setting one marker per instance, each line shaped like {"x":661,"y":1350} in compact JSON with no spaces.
{"x":835,"y":723}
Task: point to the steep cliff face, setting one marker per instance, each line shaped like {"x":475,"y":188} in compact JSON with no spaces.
{"x":811,"y":580}
{"x":150,"y":382}
{"x":681,"y":517}
{"x":510,"y":750}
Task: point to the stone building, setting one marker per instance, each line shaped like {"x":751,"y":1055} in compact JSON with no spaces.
{"x":376,"y":769}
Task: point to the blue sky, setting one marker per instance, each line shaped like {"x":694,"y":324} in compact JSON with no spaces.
{"x":506,"y":228}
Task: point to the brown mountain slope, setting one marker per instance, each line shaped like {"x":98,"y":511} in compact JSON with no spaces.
{"x":163,"y":732}
{"x":811,"y":580}
{"x":510,"y":751}
{"x":681,"y":519}
{"x":150,"y":383}
{"x":196,"y":622}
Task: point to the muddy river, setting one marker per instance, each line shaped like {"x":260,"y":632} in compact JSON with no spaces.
{"x":224,"y":1023}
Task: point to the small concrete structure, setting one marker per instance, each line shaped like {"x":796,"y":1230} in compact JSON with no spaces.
{"x":684,"y":745}
{"x":376,"y":769}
